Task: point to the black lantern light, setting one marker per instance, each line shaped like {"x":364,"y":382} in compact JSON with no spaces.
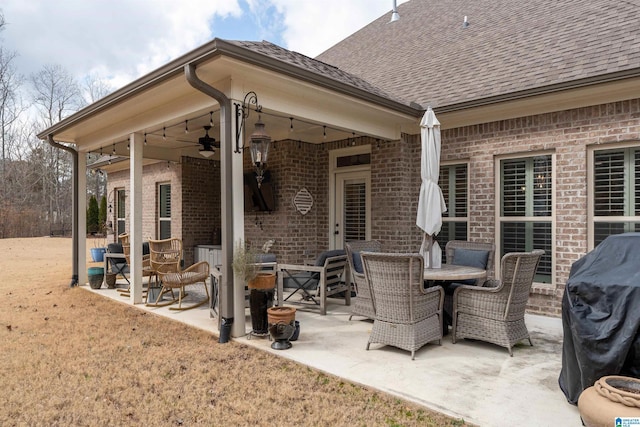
{"x":259,"y":140}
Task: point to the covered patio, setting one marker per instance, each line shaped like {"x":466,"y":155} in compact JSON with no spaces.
{"x":160,"y":119}
{"x":472,"y":380}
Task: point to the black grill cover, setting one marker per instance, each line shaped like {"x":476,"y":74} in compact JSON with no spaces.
{"x":601,"y":315}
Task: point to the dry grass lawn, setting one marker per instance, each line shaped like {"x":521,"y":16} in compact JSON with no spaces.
{"x":71,"y":357}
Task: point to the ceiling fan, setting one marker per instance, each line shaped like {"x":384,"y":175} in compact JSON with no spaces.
{"x":208,"y":143}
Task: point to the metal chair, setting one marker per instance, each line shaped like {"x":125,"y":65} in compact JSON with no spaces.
{"x":407,"y":315}
{"x":166,"y":256}
{"x":362,"y":306}
{"x":495,"y":312}
{"x":314,"y":283}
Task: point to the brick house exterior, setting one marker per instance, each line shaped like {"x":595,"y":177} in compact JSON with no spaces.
{"x":395,"y":183}
{"x":560,"y":101}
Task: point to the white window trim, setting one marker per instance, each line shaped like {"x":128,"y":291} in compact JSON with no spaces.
{"x":591,"y":149}
{"x":498,"y":218}
{"x":333,"y":169}
{"x":162,"y":219}
{"x":460,"y":218}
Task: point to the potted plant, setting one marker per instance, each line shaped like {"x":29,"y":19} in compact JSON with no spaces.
{"x":247,"y":265}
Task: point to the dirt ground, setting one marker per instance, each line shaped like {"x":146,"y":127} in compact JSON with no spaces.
{"x":71,"y":357}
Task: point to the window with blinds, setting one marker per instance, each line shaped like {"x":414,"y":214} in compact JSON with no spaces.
{"x":454,"y":185}
{"x":164,"y":211}
{"x":526,"y":207}
{"x":121,"y":211}
{"x":616,"y":192}
{"x":355,"y":211}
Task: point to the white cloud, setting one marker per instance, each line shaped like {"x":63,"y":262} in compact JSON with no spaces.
{"x":311,"y":27}
{"x":120,"y":40}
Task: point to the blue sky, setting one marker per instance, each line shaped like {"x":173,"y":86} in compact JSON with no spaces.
{"x":121,"y":40}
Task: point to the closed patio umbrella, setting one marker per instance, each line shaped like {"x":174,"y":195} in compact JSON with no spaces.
{"x":431,"y":203}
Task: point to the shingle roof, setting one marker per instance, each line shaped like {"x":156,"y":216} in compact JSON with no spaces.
{"x":315,"y":66}
{"x":428,"y":57}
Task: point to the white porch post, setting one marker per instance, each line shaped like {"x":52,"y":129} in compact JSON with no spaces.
{"x":136,"y":144}
{"x":237,"y":188}
{"x":81,"y":226}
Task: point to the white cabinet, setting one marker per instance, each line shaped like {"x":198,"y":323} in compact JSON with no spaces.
{"x":210,"y":253}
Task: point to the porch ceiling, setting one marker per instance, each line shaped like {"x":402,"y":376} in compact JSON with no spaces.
{"x":162,"y":106}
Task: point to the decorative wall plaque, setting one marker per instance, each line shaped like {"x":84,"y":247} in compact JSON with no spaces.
{"x":303,"y":201}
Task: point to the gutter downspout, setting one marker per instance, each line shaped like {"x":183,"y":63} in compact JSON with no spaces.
{"x":226,"y":288}
{"x":74,"y":208}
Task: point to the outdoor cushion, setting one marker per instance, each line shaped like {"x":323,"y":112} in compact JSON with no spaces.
{"x":470,"y":258}
{"x":357,"y":263}
{"x":309,"y":280}
{"x":328,"y":254}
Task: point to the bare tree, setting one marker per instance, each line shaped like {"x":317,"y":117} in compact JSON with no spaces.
{"x":94,"y":88}
{"x":56,"y":94}
{"x":11,"y":105}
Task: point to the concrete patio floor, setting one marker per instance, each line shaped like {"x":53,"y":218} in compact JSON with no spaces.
{"x":472,"y":380}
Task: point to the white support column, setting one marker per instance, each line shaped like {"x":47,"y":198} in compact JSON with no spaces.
{"x":237,"y":185}
{"x":81,"y":226}
{"x":136,"y":144}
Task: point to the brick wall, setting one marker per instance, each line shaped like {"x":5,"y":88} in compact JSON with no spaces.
{"x":567,"y":134}
{"x":201,"y":204}
{"x":395,"y":179}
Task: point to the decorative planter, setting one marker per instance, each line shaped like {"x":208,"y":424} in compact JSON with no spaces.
{"x":110,"y":280}
{"x":259,"y":302}
{"x":609,"y":398}
{"x":96,"y":274}
{"x":263,"y":281}
{"x":284,"y":315}
{"x":97,"y":254}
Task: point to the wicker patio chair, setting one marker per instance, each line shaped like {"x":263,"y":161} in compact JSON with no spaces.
{"x":495,"y":312}
{"x":407,"y":315}
{"x":146,"y":266}
{"x":362,"y":305}
{"x":474,"y":254}
{"x":166,"y":256}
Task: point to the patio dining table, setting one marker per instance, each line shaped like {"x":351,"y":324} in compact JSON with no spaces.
{"x":452,"y":272}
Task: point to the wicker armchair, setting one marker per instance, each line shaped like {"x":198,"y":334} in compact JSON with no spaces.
{"x":462,"y":246}
{"x":407,"y":315}
{"x":166,"y":256}
{"x":495,"y":312}
{"x":362,"y":305}
{"x":146,"y":265}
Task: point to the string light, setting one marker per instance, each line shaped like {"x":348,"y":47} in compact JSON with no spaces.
{"x":351,"y":141}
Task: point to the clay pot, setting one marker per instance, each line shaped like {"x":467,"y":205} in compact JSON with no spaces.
{"x":263,"y":281}
{"x":609,"y":398}
{"x":284,"y":315}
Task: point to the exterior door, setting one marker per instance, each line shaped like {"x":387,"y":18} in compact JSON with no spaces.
{"x":351,"y":210}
